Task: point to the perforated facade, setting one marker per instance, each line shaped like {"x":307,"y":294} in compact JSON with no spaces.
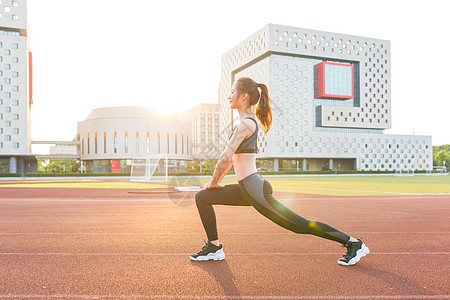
{"x":321,"y":129}
{"x":13,"y":14}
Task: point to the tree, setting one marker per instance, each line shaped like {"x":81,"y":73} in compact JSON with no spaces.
{"x":193,"y":166}
{"x":53,"y":167}
{"x":436,"y":149}
{"x":58,"y":165}
{"x":442,"y":156}
{"x":209,"y":164}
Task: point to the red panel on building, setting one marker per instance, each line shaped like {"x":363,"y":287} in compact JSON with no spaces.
{"x":115,"y":165}
{"x":323,"y":83}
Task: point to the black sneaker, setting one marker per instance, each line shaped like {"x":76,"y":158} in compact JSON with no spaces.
{"x":355,"y":251}
{"x":209,"y":252}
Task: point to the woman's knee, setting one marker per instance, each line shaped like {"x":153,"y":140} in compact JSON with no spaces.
{"x":200,"y":198}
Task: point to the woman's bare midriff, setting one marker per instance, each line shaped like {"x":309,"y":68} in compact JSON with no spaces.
{"x":244,"y":164}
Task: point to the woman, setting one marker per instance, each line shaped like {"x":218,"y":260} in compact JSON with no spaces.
{"x":253,"y":189}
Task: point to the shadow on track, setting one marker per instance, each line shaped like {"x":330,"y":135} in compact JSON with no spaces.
{"x":222,"y":274}
{"x":396,"y":282}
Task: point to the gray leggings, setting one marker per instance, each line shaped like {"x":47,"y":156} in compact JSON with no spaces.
{"x":256,"y":191}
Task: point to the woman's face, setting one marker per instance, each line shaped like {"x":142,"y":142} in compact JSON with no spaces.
{"x":234,"y":98}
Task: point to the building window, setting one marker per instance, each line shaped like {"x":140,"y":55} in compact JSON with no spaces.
{"x":14,"y":74}
{"x":176,"y":148}
{"x":15,"y":117}
{"x":7,"y":138}
{"x":15,"y":60}
{"x":7,"y":67}
{"x":187,"y":144}
{"x":7,"y":109}
{"x":15,"y":130}
{"x":115,"y":142}
{"x":159,"y":143}
{"x":15,"y":88}
{"x":7,"y":123}
{"x":16,"y":145}
{"x":148,"y":142}
{"x":126,"y":142}
{"x":168,"y":148}
{"x":104,"y":142}
{"x":82,"y":145}
{"x":95,"y":145}
{"x":88,"y":145}
{"x":15,"y":102}
{"x":137,"y":142}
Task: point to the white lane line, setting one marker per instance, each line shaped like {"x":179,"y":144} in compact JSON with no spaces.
{"x":182,"y":254}
{"x":361,"y":191}
{"x":128,"y":200}
{"x":192,"y":200}
{"x":326,"y":297}
{"x":200,"y":233}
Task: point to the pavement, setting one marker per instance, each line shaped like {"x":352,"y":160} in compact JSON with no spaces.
{"x":128,"y":244}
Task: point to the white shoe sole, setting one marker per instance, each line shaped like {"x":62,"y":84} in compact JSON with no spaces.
{"x":359,"y":254}
{"x":218,"y":255}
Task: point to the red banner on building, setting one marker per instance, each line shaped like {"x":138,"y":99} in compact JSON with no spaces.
{"x":115,"y":165}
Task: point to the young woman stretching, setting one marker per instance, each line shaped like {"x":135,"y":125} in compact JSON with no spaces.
{"x":253,"y":189}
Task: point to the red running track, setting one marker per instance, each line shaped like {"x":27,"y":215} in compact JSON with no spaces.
{"x":113,"y":244}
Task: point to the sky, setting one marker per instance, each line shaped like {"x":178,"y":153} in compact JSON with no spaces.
{"x":166,"y":55}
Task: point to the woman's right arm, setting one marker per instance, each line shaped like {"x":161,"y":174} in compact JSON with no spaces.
{"x":226,"y":170}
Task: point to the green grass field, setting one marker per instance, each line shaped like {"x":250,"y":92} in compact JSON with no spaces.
{"x":324,"y":185}
{"x":363,"y":185}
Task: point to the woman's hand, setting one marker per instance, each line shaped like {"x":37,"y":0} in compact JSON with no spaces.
{"x":211,"y":185}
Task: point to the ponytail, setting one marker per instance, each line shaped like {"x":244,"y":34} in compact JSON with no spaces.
{"x":264,"y":109}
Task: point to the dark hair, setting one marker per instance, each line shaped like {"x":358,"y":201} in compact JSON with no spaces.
{"x":264,"y":109}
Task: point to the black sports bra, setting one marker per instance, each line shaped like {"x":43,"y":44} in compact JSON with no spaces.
{"x":249,"y":145}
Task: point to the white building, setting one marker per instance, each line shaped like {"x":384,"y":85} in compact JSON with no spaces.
{"x":331,"y":97}
{"x":206,"y":140}
{"x":111,"y":137}
{"x":15,"y":89}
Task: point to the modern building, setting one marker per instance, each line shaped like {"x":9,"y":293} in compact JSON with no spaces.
{"x":206,"y":139}
{"x":331,"y":97}
{"x":15,"y":89}
{"x":111,"y":137}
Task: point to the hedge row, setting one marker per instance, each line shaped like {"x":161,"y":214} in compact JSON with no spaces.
{"x":75,"y":174}
{"x":10,"y":175}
